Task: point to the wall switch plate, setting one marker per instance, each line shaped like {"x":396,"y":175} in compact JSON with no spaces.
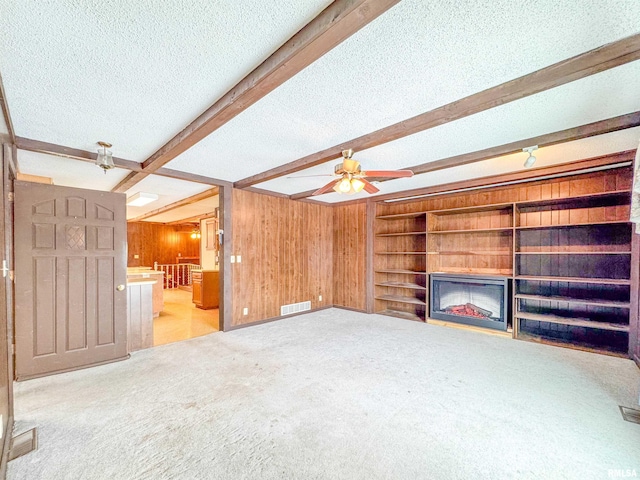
{"x":245,"y":311}
{"x":233,"y":259}
{"x":238,"y":259}
{"x":319,"y":298}
{"x":136,"y":256}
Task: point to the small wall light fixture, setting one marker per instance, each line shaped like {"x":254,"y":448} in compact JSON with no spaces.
{"x":195,"y":234}
{"x":530,"y":159}
{"x":105,"y":158}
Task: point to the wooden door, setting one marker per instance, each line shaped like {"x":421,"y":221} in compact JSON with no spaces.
{"x":70,"y":250}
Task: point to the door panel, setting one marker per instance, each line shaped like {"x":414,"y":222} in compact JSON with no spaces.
{"x":70,"y":257}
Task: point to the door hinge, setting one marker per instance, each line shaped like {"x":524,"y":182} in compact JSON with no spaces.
{"x":10,"y":196}
{"x":4,"y":269}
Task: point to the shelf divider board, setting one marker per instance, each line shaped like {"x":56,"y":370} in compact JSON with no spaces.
{"x":471,"y":230}
{"x":413,"y":286}
{"x":555,"y":298}
{"x":400,"y":234}
{"x":606,"y":281}
{"x":400,"y":271}
{"x":400,"y":299}
{"x":575,"y":322}
{"x":571,"y":225}
{"x":574,"y":253}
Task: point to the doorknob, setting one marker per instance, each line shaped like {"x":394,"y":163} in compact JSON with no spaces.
{"x":120,"y":287}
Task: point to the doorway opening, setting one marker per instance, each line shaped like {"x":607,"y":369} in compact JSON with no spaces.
{"x":179,"y":248}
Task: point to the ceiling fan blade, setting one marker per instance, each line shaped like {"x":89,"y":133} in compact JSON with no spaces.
{"x":369,"y":187}
{"x":328,"y":187}
{"x":388,"y":173}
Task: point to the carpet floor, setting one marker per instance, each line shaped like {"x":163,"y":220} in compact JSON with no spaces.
{"x":335,"y":394}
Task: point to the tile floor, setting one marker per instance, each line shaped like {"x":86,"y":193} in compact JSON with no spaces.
{"x":181,"y":320}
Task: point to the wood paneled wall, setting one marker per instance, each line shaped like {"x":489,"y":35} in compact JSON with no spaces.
{"x":155,"y":242}
{"x":604,"y":181}
{"x":349,"y":255}
{"x":286,"y":250}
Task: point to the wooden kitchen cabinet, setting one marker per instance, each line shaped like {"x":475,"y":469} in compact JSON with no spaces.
{"x":206,"y":288}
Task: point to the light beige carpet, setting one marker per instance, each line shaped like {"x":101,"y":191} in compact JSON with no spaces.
{"x":335,"y":395}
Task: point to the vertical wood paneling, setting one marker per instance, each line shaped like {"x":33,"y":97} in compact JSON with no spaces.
{"x":349,"y":255}
{"x":155,"y":242}
{"x":286,"y":249}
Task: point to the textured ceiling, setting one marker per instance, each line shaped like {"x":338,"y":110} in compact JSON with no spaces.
{"x":133,"y":73}
{"x":169,"y":190}
{"x":605,"y":95}
{"x":68,"y":172}
{"x":414,"y":58}
{"x":547,"y":156}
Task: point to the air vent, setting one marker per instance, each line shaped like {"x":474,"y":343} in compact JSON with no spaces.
{"x":295,"y":308}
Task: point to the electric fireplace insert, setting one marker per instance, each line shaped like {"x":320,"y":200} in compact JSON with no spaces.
{"x":470,"y":299}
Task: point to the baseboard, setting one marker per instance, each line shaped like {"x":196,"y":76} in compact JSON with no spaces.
{"x":273,"y":319}
{"x":5,"y":448}
{"x":636,"y":358}
{"x":39,"y":375}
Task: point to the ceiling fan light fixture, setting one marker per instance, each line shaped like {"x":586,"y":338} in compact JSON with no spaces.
{"x":357,"y":185}
{"x":530,"y":159}
{"x":105,"y":158}
{"x":345,"y":185}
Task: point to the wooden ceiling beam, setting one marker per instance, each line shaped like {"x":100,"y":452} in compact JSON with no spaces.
{"x":73,"y":153}
{"x":601,"y":127}
{"x":589,"y":63}
{"x":180,"y":203}
{"x":4,"y":105}
{"x":331,"y":27}
{"x":85,"y":156}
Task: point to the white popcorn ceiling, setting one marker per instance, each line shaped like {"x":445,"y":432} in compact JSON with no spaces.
{"x":607,"y":94}
{"x":133,"y":73}
{"x":169,"y":190}
{"x":135,"y":76}
{"x":414,"y":58}
{"x":68,"y":172}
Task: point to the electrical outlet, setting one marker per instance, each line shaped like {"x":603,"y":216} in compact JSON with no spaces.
{"x":319,"y":298}
{"x":233,"y":259}
{"x":136,"y":256}
{"x":245,"y":311}
{"x":238,"y":259}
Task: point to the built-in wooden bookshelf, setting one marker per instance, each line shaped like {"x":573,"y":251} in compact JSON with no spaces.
{"x":566,"y":244}
{"x":400,"y":265}
{"x":471,"y":240}
{"x":573,"y":271}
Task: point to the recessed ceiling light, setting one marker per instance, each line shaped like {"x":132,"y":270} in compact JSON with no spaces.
{"x":140,"y":199}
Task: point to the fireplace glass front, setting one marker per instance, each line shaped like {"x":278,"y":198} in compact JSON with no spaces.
{"x":470,"y":299}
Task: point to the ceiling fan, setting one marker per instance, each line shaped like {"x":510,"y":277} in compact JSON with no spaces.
{"x":349,"y":178}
